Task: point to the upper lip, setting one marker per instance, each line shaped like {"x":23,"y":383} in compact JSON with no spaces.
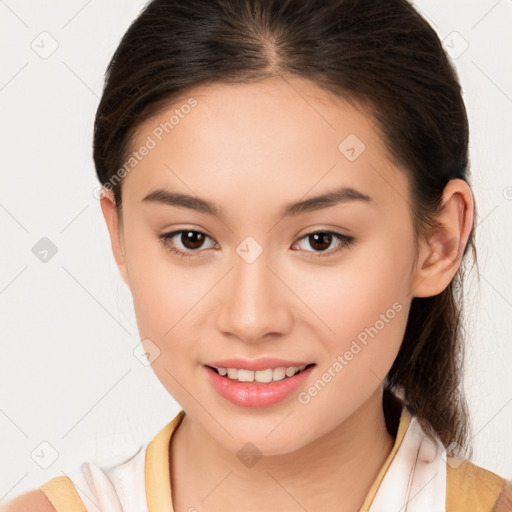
{"x":256,"y":364}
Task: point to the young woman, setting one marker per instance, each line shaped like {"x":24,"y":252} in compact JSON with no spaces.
{"x":286,"y":187}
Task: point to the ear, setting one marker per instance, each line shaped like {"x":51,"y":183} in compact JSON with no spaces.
{"x":441,"y":251}
{"x":111,"y":216}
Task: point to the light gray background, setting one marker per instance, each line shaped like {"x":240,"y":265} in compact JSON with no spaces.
{"x":69,"y":375}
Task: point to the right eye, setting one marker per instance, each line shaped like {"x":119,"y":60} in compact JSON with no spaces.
{"x":190,"y":240}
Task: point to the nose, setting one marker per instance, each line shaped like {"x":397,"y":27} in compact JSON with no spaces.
{"x":254,"y":301}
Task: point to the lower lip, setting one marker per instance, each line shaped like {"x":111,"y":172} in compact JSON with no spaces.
{"x":253,"y":395}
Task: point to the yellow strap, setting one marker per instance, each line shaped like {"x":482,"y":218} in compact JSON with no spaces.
{"x":158,"y":482}
{"x":62,"y":494}
{"x":470,"y":487}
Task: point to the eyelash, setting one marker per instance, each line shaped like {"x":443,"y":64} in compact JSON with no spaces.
{"x":345,"y":241}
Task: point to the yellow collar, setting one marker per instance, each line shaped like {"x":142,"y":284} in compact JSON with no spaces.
{"x":158,"y":481}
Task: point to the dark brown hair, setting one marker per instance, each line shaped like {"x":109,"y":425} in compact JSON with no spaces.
{"x":382,"y":54}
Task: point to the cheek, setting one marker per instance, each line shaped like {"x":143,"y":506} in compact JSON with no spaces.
{"x":167,"y":302}
{"x":363,"y":300}
{"x":363,"y":312}
{"x":164,"y":293}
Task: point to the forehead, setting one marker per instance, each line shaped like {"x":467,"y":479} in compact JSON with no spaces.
{"x":280,"y":138}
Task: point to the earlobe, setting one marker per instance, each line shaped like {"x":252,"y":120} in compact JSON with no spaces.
{"x":441,"y":253}
{"x":111,"y":217}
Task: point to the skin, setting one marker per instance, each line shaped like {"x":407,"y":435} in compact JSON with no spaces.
{"x":251,"y":149}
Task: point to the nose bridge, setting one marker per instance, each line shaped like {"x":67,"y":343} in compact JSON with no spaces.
{"x":254,"y":303}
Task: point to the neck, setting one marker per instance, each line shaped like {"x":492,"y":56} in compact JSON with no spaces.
{"x":335,"y":472}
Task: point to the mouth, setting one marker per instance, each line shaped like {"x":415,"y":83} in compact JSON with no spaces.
{"x":244,"y":387}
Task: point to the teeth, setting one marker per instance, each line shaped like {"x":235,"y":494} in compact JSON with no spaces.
{"x":263,"y":376}
{"x":232,"y":373}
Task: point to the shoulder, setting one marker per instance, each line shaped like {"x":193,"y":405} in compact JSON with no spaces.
{"x":504,"y":501}
{"x":35,"y":500}
{"x":471,"y":487}
{"x":56,"y":495}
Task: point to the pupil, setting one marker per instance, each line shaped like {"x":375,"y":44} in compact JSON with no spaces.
{"x":321,"y":236}
{"x":192,"y":237}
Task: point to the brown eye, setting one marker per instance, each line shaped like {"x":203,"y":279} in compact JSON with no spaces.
{"x":184,"y":242}
{"x":320,"y":241}
{"x":192,"y":239}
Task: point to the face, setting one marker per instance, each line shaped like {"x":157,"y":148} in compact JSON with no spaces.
{"x":252,"y":280}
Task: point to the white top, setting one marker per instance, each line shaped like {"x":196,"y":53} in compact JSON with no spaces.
{"x":121,"y":488}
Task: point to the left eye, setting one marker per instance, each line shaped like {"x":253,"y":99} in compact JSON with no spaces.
{"x":192,"y":240}
{"x":325,"y":238}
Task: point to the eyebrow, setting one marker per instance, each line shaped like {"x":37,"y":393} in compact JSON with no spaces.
{"x":326,"y":200}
